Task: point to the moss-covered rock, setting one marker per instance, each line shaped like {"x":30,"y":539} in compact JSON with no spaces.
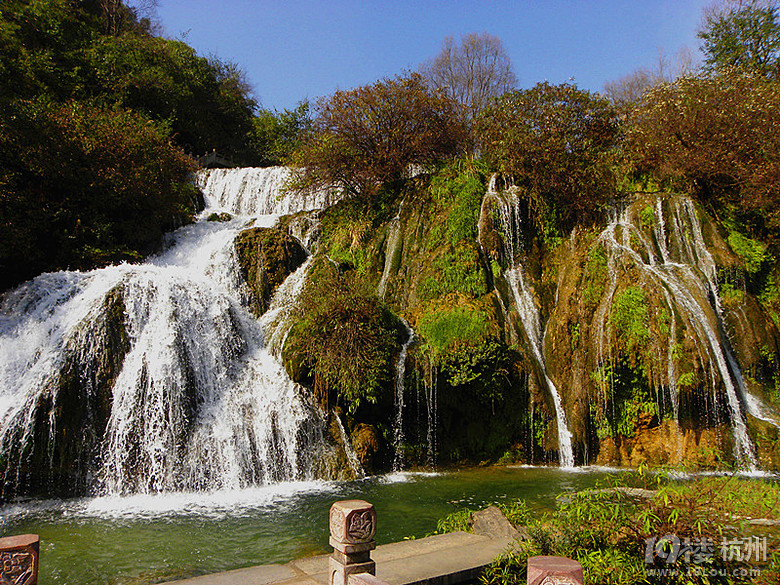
{"x":366,"y":443}
{"x":267,"y":256}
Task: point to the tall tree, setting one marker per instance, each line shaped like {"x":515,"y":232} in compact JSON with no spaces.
{"x":742,"y":33}
{"x":557,"y":142}
{"x":472,"y":72}
{"x":365,"y":137}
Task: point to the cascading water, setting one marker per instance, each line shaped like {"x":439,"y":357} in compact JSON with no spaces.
{"x":677,"y":260}
{"x":197,"y":401}
{"x":506,"y":203}
{"x":398,"y":426}
{"x":394,"y":238}
{"x":246,"y":192}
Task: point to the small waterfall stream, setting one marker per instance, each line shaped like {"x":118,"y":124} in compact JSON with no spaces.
{"x":678,"y":262}
{"x":199,"y":401}
{"x":394,"y":239}
{"x":398,"y":423}
{"x":506,"y":202}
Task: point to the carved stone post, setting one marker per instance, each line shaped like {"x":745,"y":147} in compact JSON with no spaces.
{"x":352,"y":530}
{"x":554,"y":571}
{"x":19,"y":559}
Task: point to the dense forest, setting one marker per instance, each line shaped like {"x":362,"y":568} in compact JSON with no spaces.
{"x":100,"y":124}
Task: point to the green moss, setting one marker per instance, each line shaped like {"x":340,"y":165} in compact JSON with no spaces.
{"x":595,"y":276}
{"x":647,"y":216}
{"x":455,"y":271}
{"x":447,"y":328}
{"x":629,"y":317}
{"x":752,"y":252}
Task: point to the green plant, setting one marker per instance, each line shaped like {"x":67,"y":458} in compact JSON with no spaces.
{"x":459,"y":521}
{"x":606,"y":530}
{"x":367,"y":137}
{"x":595,"y":275}
{"x":629,"y":316}
{"x":458,"y":191}
{"x":647,"y":216}
{"x":752,"y":252}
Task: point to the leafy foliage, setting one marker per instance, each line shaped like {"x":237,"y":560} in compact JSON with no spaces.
{"x":369,"y":136}
{"x":347,"y":340}
{"x":606,"y":528}
{"x":276,"y":135}
{"x":557,"y":142}
{"x":91,"y":131}
{"x":719,"y":137}
{"x":629,"y":317}
{"x":82,"y":185}
{"x":205,"y":102}
{"x":458,"y":189}
{"x":743,"y":34}
{"x":752,"y":252}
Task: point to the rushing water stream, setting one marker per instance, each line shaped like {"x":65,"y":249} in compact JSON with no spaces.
{"x":678,"y":261}
{"x":506,"y":203}
{"x":199,"y":401}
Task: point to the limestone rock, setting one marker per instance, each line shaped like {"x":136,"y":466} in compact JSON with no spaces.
{"x":492,"y":522}
{"x":267,"y":256}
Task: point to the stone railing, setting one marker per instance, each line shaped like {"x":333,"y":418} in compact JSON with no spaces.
{"x":352,"y":531}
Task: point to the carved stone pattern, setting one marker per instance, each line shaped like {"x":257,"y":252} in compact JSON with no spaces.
{"x":361,"y":526}
{"x":558,"y":580}
{"x":16,"y":568}
{"x":336,"y":523}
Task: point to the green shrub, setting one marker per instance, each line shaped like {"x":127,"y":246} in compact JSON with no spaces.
{"x":606,"y":528}
{"x":752,"y":252}
{"x":83,"y":186}
{"x":629,"y":317}
{"x":347,"y":339}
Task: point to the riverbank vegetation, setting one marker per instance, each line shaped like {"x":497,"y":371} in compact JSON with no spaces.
{"x":646,"y":528}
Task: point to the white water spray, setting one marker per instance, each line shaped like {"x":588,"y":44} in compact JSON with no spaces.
{"x":684,"y":269}
{"x":506,"y":202}
{"x":199,"y":402}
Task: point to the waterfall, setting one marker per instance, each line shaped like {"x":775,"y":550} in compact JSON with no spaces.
{"x":259,"y":191}
{"x":197,"y":401}
{"x":398,"y":425}
{"x":432,"y":402}
{"x":352,"y":458}
{"x":506,"y":202}
{"x":680,"y":264}
{"x":394,"y":239}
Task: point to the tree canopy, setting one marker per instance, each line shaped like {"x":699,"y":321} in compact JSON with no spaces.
{"x":92,"y":132}
{"x":719,"y":137}
{"x":743,"y":33}
{"x":557,"y":142}
{"x":471,"y":73}
{"x":373,"y":135}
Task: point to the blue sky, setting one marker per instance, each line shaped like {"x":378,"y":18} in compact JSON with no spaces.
{"x":298,"y":49}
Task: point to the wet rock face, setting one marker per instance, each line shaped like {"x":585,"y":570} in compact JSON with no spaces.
{"x":668,"y":444}
{"x":55,"y":452}
{"x":365,"y":442}
{"x":267,"y":256}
